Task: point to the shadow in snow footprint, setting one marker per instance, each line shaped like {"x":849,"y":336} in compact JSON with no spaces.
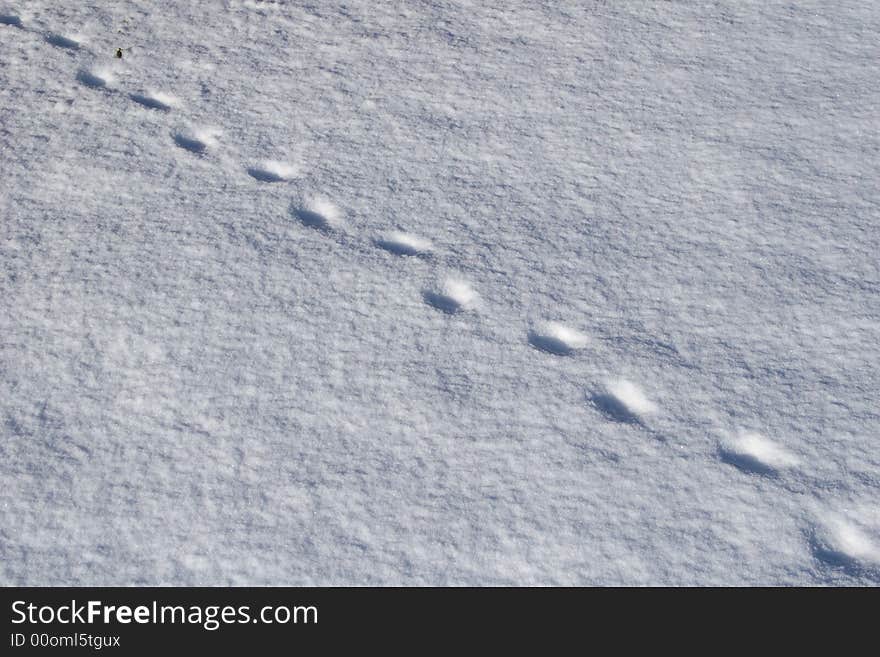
{"x":155,"y":102}
{"x":271,"y":171}
{"x":191,"y":143}
{"x":843,"y":546}
{"x":614,"y":408}
{"x":441,"y":302}
{"x":746,"y":463}
{"x":264,"y":176}
{"x":319,"y":214}
{"x":404,"y":244}
{"x":312,"y":219}
{"x":10,"y":19}
{"x":91,"y":79}
{"x":62,"y":42}
{"x":549,"y":344}
{"x":557,"y":339}
{"x":624,"y":401}
{"x":753,"y":453}
{"x":453,"y":297}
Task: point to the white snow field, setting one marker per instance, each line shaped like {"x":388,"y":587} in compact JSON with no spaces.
{"x":440,"y":292}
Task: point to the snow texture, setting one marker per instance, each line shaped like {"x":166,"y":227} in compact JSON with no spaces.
{"x":220,"y":364}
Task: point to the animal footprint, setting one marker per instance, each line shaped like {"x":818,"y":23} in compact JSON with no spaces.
{"x":752,"y":452}
{"x":60,"y":41}
{"x":555,"y":338}
{"x":841,"y":542}
{"x":155,"y":100}
{"x":198,"y":142}
{"x":404,"y":244}
{"x":319,"y":213}
{"x":272,"y":171}
{"x":454,"y":295}
{"x":624,"y":401}
{"x":96,"y":79}
{"x":10,"y":19}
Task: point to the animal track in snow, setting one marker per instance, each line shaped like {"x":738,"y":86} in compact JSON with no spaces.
{"x":96,"y":79}
{"x":10,"y":19}
{"x":752,"y":452}
{"x":155,"y":100}
{"x":400,"y":243}
{"x":272,"y":171}
{"x":624,"y":401}
{"x":319,"y":213}
{"x":839,"y":541}
{"x":453,"y":296}
{"x":60,"y":41}
{"x":556,"y":338}
{"x":198,"y":141}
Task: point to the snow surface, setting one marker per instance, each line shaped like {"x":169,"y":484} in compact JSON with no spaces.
{"x":212,"y":373}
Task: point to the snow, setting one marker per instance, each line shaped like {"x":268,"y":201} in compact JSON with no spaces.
{"x":214,"y":370}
